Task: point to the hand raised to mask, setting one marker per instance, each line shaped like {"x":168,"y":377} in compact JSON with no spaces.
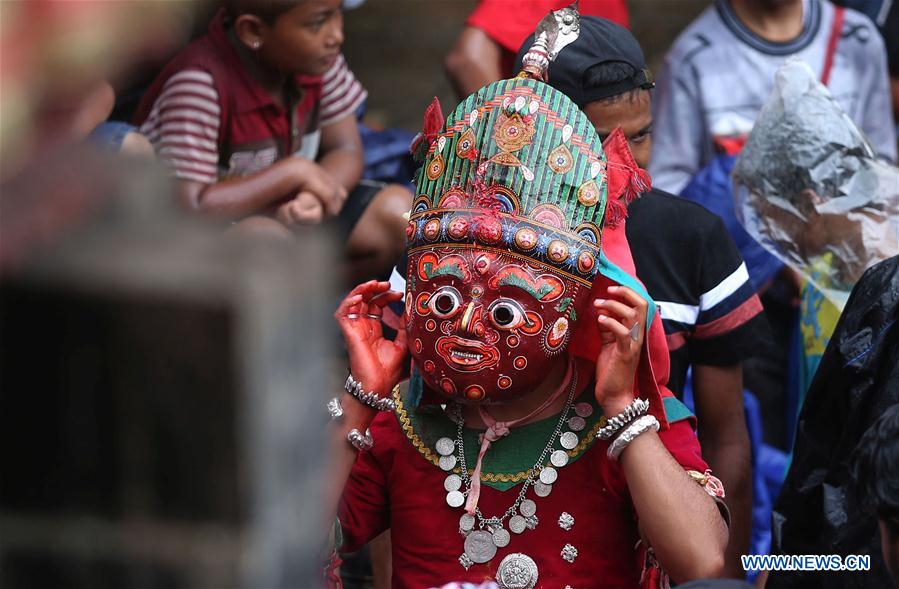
{"x":616,"y":365}
{"x":375,"y":361}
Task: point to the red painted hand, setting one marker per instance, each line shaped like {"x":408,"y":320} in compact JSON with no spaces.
{"x":375,"y":362}
{"x":622,"y":322}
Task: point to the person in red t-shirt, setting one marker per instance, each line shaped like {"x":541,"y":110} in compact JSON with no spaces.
{"x":257,"y":120}
{"x":485,"y":50}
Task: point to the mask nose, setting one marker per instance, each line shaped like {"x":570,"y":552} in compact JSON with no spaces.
{"x":470,"y":320}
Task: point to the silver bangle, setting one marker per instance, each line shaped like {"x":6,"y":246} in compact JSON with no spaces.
{"x":354,"y":387}
{"x":360,"y":441}
{"x":636,"y":408}
{"x":335,"y":409}
{"x":630,"y":433}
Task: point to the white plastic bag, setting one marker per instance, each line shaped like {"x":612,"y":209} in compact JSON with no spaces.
{"x":809,"y":188}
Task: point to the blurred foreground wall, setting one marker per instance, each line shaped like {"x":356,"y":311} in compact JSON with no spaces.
{"x":160,"y":395}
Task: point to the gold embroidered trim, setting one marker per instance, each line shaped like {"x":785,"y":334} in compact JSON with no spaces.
{"x":490,"y":477}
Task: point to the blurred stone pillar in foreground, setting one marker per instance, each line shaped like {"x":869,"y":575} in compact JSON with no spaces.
{"x":161,"y":390}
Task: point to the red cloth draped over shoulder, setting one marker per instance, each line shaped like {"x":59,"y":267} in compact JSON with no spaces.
{"x":625,"y":181}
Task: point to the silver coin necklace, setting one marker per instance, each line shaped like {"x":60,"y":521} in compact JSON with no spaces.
{"x":484,"y":535}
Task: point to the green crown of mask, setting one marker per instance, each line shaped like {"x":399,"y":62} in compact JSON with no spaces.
{"x":516,"y":167}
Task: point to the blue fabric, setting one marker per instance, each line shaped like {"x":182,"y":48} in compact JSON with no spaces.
{"x":108,"y":136}
{"x":387,"y":157}
{"x":616,"y":274}
{"x":415,"y":390}
{"x":768,"y":471}
{"x":675,"y":410}
{"x":712,"y":188}
{"x":769,"y":467}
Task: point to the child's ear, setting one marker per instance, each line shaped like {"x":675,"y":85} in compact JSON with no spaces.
{"x":250,"y":30}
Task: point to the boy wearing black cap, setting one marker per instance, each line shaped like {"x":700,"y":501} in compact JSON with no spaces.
{"x":684,"y":256}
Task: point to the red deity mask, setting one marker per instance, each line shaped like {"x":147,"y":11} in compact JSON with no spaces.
{"x":483,"y":326}
{"x":503,"y":240}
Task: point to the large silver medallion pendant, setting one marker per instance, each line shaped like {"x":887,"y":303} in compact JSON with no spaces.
{"x":479,"y":546}
{"x":517,"y":571}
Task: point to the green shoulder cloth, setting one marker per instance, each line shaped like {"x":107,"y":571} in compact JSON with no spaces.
{"x":510,"y":459}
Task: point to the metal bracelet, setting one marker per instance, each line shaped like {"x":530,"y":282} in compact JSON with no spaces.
{"x":630,"y":433}
{"x":354,"y":387}
{"x":335,"y":409}
{"x":636,"y":408}
{"x":360,"y":441}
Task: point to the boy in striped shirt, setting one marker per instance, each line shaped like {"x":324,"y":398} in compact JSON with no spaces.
{"x":257,"y":120}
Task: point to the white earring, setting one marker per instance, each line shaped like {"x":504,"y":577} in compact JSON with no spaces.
{"x":256,"y":44}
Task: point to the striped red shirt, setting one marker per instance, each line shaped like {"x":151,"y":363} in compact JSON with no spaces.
{"x":342,"y":94}
{"x":209,"y":118}
{"x":184,"y":124}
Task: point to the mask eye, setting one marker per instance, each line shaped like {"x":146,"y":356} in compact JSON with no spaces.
{"x":506,"y":314}
{"x":445,"y":302}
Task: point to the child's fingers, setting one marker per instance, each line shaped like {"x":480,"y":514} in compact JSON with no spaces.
{"x":630,"y":297}
{"x":376,"y":290}
{"x":385,"y":298}
{"x":346,"y":305}
{"x":306,"y":209}
{"x":327,"y":191}
{"x":373,"y":293}
{"x":614,"y":326}
{"x":355,"y":297}
{"x":342,"y":194}
{"x":619,"y":310}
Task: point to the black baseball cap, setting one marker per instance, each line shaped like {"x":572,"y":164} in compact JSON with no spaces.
{"x":600,"y":41}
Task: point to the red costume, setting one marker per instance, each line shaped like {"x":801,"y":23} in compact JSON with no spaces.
{"x":518,"y":220}
{"x":398,"y":486}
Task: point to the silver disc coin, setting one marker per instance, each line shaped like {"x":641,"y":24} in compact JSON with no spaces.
{"x":445,"y":446}
{"x":455,"y":499}
{"x":517,"y":571}
{"x":517,"y":524}
{"x":479,"y":546}
{"x":568,"y":440}
{"x":548,"y":475}
{"x":583,"y":409}
{"x":577,"y":423}
{"x":466,"y":522}
{"x":527,"y":508}
{"x":501,"y":537}
{"x":559,"y":458}
{"x":452,"y":483}
{"x":447,"y":463}
{"x":542,"y":489}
